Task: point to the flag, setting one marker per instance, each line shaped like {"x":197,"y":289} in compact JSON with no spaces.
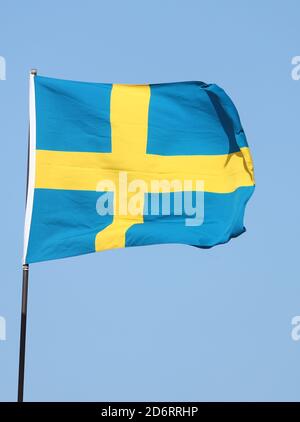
{"x":115,"y":165}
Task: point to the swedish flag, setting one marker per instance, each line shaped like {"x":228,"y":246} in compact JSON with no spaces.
{"x":85,"y":134}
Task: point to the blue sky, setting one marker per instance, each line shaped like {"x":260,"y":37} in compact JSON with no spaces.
{"x":160,"y":322}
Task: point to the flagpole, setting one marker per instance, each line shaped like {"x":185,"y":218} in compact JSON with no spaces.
{"x":23,"y":333}
{"x":24,"y":305}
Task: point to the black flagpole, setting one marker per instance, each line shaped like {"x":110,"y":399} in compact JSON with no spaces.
{"x":24,"y":307}
{"x":23,"y":333}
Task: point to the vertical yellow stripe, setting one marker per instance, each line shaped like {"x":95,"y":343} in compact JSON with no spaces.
{"x":129,"y":125}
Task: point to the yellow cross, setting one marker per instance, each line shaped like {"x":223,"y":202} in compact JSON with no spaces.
{"x":129,"y":125}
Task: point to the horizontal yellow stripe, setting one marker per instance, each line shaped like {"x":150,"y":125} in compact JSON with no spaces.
{"x":83,"y":170}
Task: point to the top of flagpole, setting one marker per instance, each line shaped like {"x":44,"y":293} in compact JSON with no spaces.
{"x":33,"y":72}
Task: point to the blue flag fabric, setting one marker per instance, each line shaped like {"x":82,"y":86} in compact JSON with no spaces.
{"x":116,"y":165}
